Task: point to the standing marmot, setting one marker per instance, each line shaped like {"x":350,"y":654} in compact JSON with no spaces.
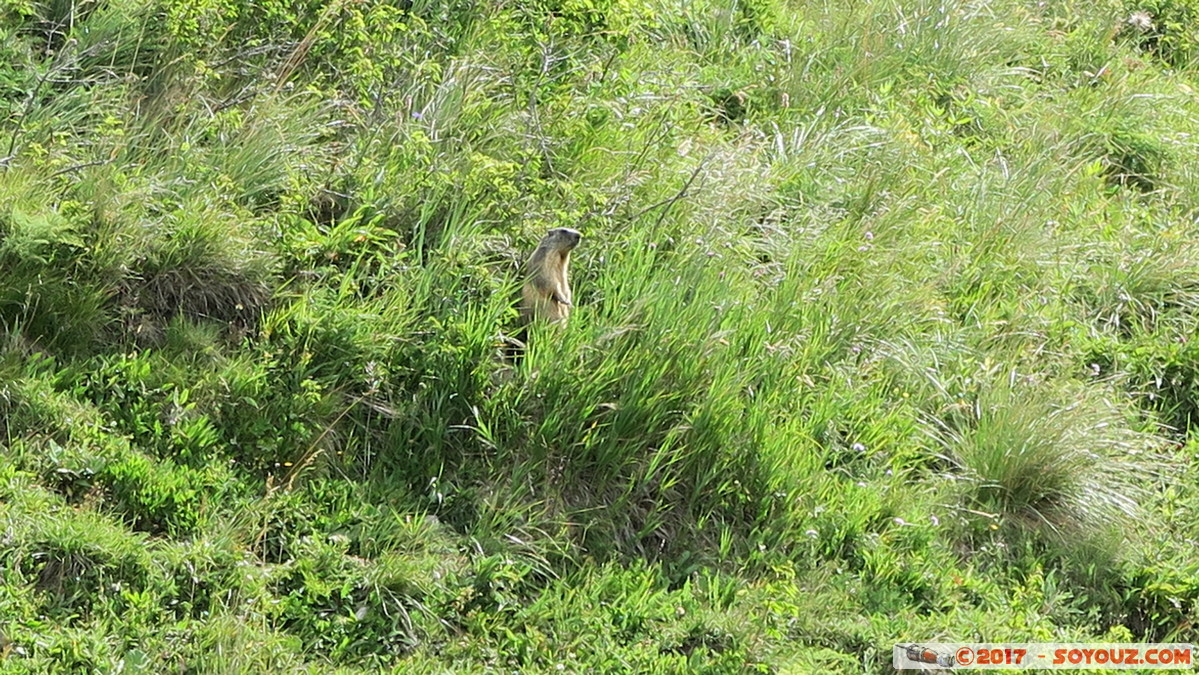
{"x":547,"y":292}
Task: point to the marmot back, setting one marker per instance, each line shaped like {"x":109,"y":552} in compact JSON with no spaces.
{"x":546,"y":294}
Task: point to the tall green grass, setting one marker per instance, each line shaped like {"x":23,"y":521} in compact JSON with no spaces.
{"x":882,"y":333}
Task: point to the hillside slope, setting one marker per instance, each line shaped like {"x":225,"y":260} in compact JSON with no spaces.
{"x":882,"y":332}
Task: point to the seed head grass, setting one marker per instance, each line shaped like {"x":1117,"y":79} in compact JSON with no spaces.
{"x":1066,"y":467}
{"x":882,"y":330}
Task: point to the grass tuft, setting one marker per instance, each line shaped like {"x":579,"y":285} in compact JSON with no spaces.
{"x":883,"y":331}
{"x":1052,"y":461}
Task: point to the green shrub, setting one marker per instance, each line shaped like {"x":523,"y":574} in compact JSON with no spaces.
{"x":1162,"y":371}
{"x":155,"y":497}
{"x":328,"y":594}
{"x":827,"y":380}
{"x":1164,"y":602}
{"x":1164,"y":28}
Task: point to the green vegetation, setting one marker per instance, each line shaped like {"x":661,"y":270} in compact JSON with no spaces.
{"x":883,"y":332}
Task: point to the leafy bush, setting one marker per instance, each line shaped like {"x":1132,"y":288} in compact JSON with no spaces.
{"x":1159,"y":370}
{"x":867,"y":296}
{"x":1164,"y":28}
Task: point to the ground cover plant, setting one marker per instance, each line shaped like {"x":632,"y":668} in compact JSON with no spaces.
{"x":883,"y":331}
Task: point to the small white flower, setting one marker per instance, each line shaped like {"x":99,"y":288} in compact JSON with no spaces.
{"x":1141,"y":21}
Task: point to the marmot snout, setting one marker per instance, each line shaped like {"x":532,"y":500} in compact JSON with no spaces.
{"x":546,"y":295}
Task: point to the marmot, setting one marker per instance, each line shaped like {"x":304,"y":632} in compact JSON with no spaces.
{"x":546,"y":295}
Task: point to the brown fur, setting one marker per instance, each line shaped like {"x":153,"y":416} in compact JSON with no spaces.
{"x":546,"y":295}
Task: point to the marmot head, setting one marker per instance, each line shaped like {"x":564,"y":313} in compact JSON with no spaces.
{"x":562,"y":238}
